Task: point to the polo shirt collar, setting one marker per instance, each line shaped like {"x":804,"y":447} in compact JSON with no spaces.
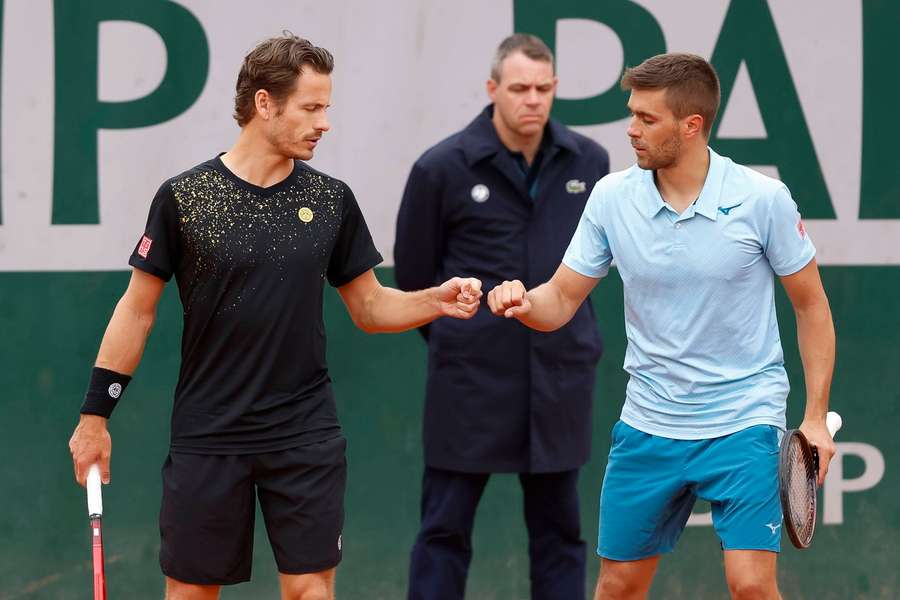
{"x":707,"y":203}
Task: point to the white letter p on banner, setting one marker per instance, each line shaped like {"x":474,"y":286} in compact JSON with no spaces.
{"x":836,"y":485}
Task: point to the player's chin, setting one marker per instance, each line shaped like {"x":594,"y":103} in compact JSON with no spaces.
{"x":530,"y":127}
{"x":298,"y":153}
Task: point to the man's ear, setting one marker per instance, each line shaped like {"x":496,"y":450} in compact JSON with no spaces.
{"x":264,"y":104}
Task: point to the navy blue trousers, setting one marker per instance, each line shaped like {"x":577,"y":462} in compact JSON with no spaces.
{"x":443,"y":548}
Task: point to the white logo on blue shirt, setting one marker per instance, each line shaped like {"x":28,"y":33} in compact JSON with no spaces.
{"x":773,"y":527}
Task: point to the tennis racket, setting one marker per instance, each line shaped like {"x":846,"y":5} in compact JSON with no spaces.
{"x":95,"y":514}
{"x":798,"y":468}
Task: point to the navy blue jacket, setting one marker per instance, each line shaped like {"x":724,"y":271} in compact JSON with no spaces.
{"x":501,"y":397}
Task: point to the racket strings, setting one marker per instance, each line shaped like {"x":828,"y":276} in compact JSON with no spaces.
{"x":802,"y":491}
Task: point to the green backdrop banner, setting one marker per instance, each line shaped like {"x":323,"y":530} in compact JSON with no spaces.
{"x":52,"y":324}
{"x":105,"y":100}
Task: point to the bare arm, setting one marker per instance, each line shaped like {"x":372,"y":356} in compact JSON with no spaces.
{"x":120,"y":351}
{"x":547,"y":307}
{"x":815,"y":336}
{"x":378,"y":309}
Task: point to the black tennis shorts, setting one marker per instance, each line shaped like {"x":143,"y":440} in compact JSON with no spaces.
{"x":209,"y":505}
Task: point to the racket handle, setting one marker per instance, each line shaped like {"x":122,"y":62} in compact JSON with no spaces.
{"x":94,"y":498}
{"x":97,"y":553}
{"x":833,"y":422}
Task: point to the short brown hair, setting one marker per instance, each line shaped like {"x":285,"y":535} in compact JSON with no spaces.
{"x":691,"y":84}
{"x":530,"y":45}
{"x":274,"y":66}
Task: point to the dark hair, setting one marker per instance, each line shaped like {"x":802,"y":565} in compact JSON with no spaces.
{"x":530,"y":45}
{"x":691,"y":84}
{"x":274,"y":66}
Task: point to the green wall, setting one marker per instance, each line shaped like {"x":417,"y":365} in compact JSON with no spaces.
{"x":52,"y":324}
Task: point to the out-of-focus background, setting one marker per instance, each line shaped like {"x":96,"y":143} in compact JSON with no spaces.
{"x":103,"y":100}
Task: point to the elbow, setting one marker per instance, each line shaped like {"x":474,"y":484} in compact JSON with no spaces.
{"x":816,"y":309}
{"x":142,"y":316}
{"x":363,"y":314}
{"x":366,"y":327}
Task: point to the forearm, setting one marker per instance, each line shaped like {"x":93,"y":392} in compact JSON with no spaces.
{"x":550,"y":308}
{"x":125,"y":338}
{"x":815,"y":335}
{"x":388,"y":310}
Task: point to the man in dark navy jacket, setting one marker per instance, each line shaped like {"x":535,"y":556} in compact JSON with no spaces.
{"x":500,"y":200}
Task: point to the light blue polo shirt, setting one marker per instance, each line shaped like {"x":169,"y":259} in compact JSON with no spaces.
{"x":704,"y":354}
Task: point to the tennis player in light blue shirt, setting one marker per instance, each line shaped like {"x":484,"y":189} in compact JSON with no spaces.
{"x":698,"y":241}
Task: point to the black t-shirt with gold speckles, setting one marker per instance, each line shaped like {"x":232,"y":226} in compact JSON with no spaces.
{"x":251,"y":265}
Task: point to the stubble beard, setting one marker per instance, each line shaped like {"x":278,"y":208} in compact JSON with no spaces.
{"x":665,"y":156}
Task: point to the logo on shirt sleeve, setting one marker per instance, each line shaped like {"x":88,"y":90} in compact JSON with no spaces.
{"x":144,"y":247}
{"x":801,"y":229}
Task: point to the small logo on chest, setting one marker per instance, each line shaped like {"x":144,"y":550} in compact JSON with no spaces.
{"x":480,"y":193}
{"x":727,"y":209}
{"x":574,"y":186}
{"x":305,"y":214}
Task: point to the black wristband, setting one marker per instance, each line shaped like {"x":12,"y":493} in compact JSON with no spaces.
{"x":103,"y":392}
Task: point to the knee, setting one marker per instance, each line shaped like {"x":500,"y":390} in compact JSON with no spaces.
{"x":178,"y":590}
{"x":752,"y":588}
{"x":313,"y":591}
{"x":445,"y":535}
{"x":312,"y":586}
{"x":616,"y":586}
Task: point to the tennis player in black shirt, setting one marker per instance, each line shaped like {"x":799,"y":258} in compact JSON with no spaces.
{"x":251,"y":236}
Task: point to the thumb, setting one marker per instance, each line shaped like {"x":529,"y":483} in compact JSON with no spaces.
{"x":520,"y":309}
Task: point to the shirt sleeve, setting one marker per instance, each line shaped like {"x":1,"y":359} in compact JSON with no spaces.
{"x":158,"y":250}
{"x":787,"y":244}
{"x":354,"y":252}
{"x":589,"y":253}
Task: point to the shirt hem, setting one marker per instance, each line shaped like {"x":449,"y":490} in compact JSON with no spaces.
{"x":355,"y":272}
{"x":286,"y":444}
{"x":797,"y":266}
{"x":705,"y":433}
{"x":149,"y":268}
{"x":584,"y":270}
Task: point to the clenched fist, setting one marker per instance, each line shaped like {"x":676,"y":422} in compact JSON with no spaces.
{"x":509,"y":299}
{"x":459,"y":297}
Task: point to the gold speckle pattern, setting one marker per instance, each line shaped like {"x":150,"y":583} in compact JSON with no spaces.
{"x":228,"y":229}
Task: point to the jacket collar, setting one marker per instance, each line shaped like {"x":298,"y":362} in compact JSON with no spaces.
{"x":481,"y":139}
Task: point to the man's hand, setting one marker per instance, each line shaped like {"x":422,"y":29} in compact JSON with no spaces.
{"x":90,"y":443}
{"x":459,"y":298}
{"x":817,"y":434}
{"x":509,"y":299}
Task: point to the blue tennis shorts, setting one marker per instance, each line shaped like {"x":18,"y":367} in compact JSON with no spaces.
{"x":652,"y":482}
